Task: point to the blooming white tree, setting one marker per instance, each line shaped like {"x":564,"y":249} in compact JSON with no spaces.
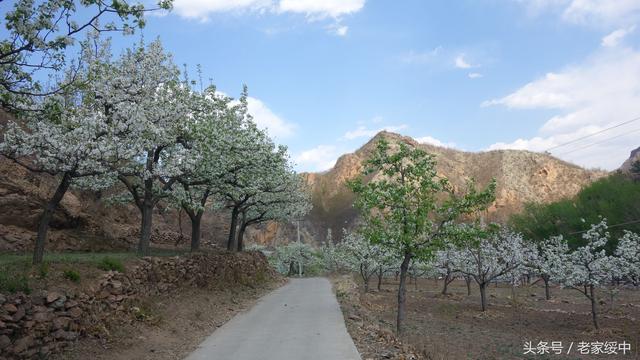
{"x":286,"y":199}
{"x":144,"y":109}
{"x":491,"y":257}
{"x":587,"y":267}
{"x":64,"y":139}
{"x":214,"y":126}
{"x":445,"y":266}
{"x":330,"y":256}
{"x":544,"y":257}
{"x":360,"y":255}
{"x":288,"y":259}
{"x":628,"y":254}
{"x":40,"y":35}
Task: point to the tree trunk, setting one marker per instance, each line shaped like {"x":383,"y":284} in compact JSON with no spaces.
{"x":195,"y":230}
{"x":365,"y":279}
{"x":145,"y":232}
{"x":380,"y":274}
{"x":483,"y":295}
{"x":594,"y":307}
{"x":241,"y":231}
{"x":547,"y":292}
{"x":446,"y":284}
{"x":467,"y":280}
{"x":47,"y":214}
{"x":402,"y":292}
{"x":232,"y":229}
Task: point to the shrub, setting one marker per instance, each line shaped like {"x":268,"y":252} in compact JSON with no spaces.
{"x":108,"y":264}
{"x":13,"y":283}
{"x":71,"y":275}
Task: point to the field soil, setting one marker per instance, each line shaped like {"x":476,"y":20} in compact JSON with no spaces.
{"x":453,"y":327}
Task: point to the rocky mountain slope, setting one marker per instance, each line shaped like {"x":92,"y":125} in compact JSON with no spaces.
{"x":633,"y":157}
{"x":522,"y":176}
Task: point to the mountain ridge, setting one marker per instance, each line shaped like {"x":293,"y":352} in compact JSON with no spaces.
{"x":522,"y":176}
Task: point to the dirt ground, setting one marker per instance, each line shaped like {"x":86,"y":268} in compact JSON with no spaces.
{"x":453,"y":327}
{"x":172,"y":326}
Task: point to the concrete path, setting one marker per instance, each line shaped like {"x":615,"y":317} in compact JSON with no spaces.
{"x":301,"y":320}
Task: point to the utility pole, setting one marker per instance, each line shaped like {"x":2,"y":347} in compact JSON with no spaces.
{"x":300,"y":254}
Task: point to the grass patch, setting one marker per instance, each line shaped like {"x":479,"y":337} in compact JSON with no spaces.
{"x":16,"y":270}
{"x":77,"y":257}
{"x":71,"y":275}
{"x":14,"y":282}
{"x":111,"y":264}
{"x":43,"y":270}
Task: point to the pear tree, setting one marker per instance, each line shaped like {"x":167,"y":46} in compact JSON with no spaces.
{"x":402,"y":196}
{"x":213,"y":127}
{"x":490,"y":257}
{"x":281,"y":196}
{"x":361,"y":255}
{"x":39,"y":37}
{"x":64,"y":139}
{"x":588,"y":267}
{"x":443,"y":263}
{"x":145,"y":110}
{"x":628,"y":256}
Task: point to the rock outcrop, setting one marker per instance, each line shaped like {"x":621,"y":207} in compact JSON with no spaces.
{"x":522,"y":176}
{"x":633,"y":158}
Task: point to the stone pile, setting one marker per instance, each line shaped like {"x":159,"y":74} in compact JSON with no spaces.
{"x":37,"y":324}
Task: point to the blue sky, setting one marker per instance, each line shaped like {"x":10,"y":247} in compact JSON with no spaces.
{"x":324,"y":76}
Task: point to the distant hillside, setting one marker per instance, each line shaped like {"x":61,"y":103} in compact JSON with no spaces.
{"x":522,"y":176}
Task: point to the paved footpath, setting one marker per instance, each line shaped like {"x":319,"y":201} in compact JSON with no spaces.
{"x":299,"y":321}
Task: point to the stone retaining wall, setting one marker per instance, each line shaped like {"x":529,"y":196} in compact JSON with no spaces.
{"x":38,"y":324}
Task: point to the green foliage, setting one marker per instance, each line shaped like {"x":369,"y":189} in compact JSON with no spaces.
{"x":111,"y":264}
{"x":409,"y":208}
{"x":13,"y":282}
{"x":71,"y":275}
{"x":36,"y":42}
{"x":616,"y":198}
{"x":43,"y":270}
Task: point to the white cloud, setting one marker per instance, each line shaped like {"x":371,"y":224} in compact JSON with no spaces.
{"x":607,"y":11}
{"x":461,"y":63}
{"x":319,"y":158}
{"x":474,"y":75}
{"x":433,"y":141}
{"x":313,"y":9}
{"x":267,"y":119}
{"x":590,"y":96}
{"x":321,"y":9}
{"x":614,"y":38}
{"x":363,"y":131}
{"x":597,"y":13}
{"x":338,"y":29}
{"x":201,"y":9}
